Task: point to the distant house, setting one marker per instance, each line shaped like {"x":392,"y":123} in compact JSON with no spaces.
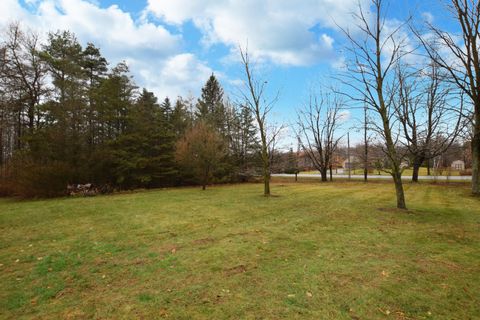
{"x":351,"y":163}
{"x":404,"y":165}
{"x":458,"y":165}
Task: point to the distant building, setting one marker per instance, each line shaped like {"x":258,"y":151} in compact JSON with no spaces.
{"x":458,"y":165}
{"x":351,"y":163}
{"x":404,"y":165}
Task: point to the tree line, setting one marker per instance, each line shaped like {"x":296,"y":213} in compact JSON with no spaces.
{"x":68,"y":117}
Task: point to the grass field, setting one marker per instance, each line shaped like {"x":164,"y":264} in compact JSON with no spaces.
{"x":313,"y":251}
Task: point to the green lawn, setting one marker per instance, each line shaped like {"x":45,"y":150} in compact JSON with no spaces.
{"x":314,"y":251}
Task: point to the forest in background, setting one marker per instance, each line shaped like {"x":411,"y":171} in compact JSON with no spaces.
{"x":68,"y":117}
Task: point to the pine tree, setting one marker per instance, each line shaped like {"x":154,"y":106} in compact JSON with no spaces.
{"x":95,"y":66}
{"x":211,"y":107}
{"x":64,"y":56}
{"x":180,"y":118}
{"x":291,"y":167}
{"x":167,"y":108}
{"x":144,"y":154}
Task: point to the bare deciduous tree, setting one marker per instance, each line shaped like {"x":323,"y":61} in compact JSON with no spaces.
{"x":255,"y":98}
{"x":430,"y":125}
{"x":317,"y":127}
{"x":200,"y":150}
{"x":463,"y":65}
{"x":24,"y":72}
{"x":376,"y":50}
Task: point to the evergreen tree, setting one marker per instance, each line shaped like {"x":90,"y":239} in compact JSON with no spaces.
{"x":291,"y":166}
{"x":211,"y":107}
{"x":180,"y":118}
{"x":167,"y":108}
{"x":95,"y":66}
{"x":144,"y":154}
{"x":64,"y":56}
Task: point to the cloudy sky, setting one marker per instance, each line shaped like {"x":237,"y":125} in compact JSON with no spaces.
{"x":172,"y":46}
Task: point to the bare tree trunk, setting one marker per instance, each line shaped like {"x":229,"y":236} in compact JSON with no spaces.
{"x":266,"y":185}
{"x":331,"y":173}
{"x":397,"y":179}
{"x":417,"y":163}
{"x":266,"y":162}
{"x":365,"y":138}
{"x":476,"y":159}
{"x":205,"y":179}
{"x":323,"y":173}
{"x":392,"y":153}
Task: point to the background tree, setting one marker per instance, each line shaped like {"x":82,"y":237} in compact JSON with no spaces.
{"x":461,"y":59}
{"x":200,"y":150}
{"x":96,"y":67}
{"x":317,"y":130}
{"x":429,"y":123}
{"x":143,"y":155}
{"x":211,"y":107}
{"x":245,"y":142}
{"x":291,"y":165}
{"x":180,"y":118}
{"x":23,"y":81}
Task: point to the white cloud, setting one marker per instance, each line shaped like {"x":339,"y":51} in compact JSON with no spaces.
{"x":344,"y":116}
{"x":428,"y":17}
{"x":149,"y":49}
{"x":182,"y":73}
{"x":278,"y":30}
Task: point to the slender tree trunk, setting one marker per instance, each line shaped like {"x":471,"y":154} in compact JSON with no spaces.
{"x":331,"y":173}
{"x":205,"y":179}
{"x":396,"y":171}
{"x":397,"y":179}
{"x":266,"y":187}
{"x":365,"y":139}
{"x":476,"y":159}
{"x":266,"y":171}
{"x":31,"y":118}
{"x":417,"y":163}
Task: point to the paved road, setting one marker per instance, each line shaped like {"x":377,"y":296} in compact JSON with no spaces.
{"x":373,"y":177}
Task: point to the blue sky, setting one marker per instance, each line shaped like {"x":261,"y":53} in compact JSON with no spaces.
{"x":173,"y":45}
